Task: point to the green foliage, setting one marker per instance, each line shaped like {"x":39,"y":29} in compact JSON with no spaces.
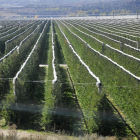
{"x":86,"y":92}
{"x":9,"y":105}
{"x":9,"y":68}
{"x":108,"y":122}
{"x":128,"y":63}
{"x":2,"y":47}
{"x":99,"y":37}
{"x":48,"y":102}
{"x":38,"y":103}
{"x":11,"y":31}
{"x":48,"y":105}
{"x":16,"y":41}
{"x":122,"y":87}
{"x":10,"y":65}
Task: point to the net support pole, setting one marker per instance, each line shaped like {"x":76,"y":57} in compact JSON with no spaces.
{"x":99,"y":85}
{"x":14,"y":87}
{"x":121,"y":48}
{"x":103,"y":47}
{"x":137,"y":44}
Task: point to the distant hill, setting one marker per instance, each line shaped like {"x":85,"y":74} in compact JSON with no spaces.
{"x":71,"y":8}
{"x":38,"y":2}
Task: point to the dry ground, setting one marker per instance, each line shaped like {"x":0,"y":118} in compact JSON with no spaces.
{"x":23,"y":135}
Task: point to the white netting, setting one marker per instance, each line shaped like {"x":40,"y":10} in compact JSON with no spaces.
{"x":103,"y":43}
{"x":5,"y":29}
{"x":98,"y":84}
{"x":127,"y":39}
{"x":115,"y":27}
{"x":14,"y":79}
{"x":96,"y":33}
{"x":8,"y":30}
{"x":53,"y":60}
{"x":19,"y":34}
{"x":17,"y":47}
{"x":10,"y":33}
{"x":111,"y":34}
{"x":136,"y":77}
{"x":123,"y":53}
{"x":132,"y":47}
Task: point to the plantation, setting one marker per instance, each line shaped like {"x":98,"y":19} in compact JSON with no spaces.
{"x":74,"y":75}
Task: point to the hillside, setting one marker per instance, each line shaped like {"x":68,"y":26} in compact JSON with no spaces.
{"x":93,"y":8}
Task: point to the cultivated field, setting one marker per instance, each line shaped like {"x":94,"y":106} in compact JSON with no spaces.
{"x":73,"y":76}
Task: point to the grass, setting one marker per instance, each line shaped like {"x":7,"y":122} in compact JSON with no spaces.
{"x":11,"y":133}
{"x":17,"y":135}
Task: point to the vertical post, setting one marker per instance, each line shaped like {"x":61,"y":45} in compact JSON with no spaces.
{"x":99,"y":85}
{"x":18,"y":50}
{"x":14,"y":87}
{"x":138,"y":82}
{"x":121,"y":48}
{"x":5,"y":46}
{"x":54,"y":127}
{"x":19,"y":116}
{"x":137,"y":44}
{"x":103,"y":47}
{"x":53,"y":90}
{"x":137,"y":14}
